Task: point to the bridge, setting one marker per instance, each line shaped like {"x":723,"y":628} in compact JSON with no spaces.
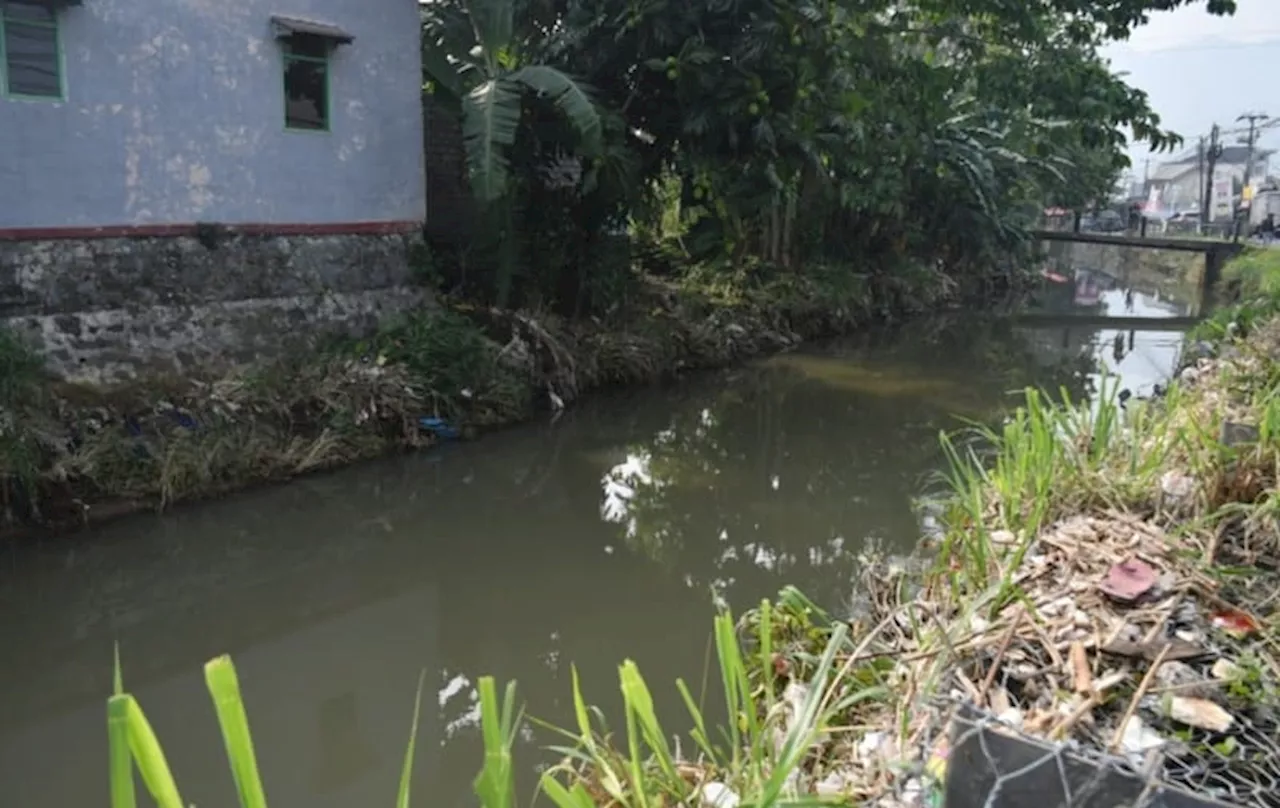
{"x":1215,"y":253}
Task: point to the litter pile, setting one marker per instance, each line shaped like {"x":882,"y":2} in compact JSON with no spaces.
{"x":1119,"y":648}
{"x":1122,"y":644}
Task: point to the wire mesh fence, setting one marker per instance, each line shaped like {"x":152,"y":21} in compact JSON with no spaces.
{"x":990,"y":764}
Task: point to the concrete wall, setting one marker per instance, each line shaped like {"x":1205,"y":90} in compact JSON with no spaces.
{"x":174,"y":113}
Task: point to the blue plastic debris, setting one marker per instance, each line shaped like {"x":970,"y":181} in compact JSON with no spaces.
{"x":439,"y":427}
{"x":185,"y":421}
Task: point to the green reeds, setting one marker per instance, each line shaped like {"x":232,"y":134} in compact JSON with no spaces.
{"x":132,"y":743}
{"x":224,"y":688}
{"x":1048,"y":458}
{"x":766,"y":742}
{"x":495,"y":785}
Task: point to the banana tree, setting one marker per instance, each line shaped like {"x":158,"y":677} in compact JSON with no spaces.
{"x":475,"y":57}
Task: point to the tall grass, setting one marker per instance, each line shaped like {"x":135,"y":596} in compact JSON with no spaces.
{"x":757,"y":757}
{"x":1048,"y":458}
{"x":1253,"y":280}
{"x":133,"y":745}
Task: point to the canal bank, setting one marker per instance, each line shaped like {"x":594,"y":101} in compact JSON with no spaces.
{"x":72,"y":455}
{"x":334,"y":592}
{"x":1096,"y":620}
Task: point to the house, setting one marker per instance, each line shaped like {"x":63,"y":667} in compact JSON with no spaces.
{"x":1178,"y":185}
{"x":180,"y":177}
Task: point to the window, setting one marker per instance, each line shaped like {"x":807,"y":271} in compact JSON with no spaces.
{"x":31,"y":51}
{"x":306,"y":82}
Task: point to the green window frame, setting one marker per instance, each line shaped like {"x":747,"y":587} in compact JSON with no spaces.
{"x":35,"y":23}
{"x":307,"y":84}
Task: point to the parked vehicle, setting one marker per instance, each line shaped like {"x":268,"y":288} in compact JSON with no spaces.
{"x":1105,"y":221}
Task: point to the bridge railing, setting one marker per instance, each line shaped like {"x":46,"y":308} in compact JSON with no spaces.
{"x":1217,"y":231}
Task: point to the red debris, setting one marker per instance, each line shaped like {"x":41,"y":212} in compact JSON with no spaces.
{"x":1237,"y":624}
{"x":1128,"y":581}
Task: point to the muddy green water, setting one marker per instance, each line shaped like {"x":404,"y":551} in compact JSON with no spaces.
{"x":597,"y":538}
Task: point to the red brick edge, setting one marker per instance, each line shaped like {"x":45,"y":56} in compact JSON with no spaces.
{"x":174,"y":230}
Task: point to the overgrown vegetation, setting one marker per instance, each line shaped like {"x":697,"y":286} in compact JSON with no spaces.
{"x":67,"y":450}
{"x":760,"y":753}
{"x":878,"y":136}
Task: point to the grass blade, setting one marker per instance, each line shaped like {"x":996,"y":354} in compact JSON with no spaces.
{"x":224,"y":687}
{"x":805,"y":725}
{"x":563,"y":797}
{"x":121,"y":763}
{"x":406,"y":773}
{"x":609,"y":779}
{"x":699,"y":731}
{"x":636,"y":695}
{"x":495,"y":784}
{"x":149,"y":757}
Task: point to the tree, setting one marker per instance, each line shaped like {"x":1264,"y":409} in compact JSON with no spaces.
{"x":474,"y":58}
{"x":902,"y":138}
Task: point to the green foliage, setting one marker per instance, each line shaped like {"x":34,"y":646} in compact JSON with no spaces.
{"x":452,"y":363}
{"x":864,"y":133}
{"x":443,"y":348}
{"x":1251,"y":284}
{"x":764,"y":744}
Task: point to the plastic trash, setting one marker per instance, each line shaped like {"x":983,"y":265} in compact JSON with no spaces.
{"x":439,"y":427}
{"x":185,"y":421}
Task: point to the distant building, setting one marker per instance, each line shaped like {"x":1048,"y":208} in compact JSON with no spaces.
{"x":1178,"y":187}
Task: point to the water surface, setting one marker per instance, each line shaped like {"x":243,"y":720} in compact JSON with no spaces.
{"x":594,"y":539}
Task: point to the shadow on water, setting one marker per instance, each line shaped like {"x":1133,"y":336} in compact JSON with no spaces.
{"x":593,"y":540}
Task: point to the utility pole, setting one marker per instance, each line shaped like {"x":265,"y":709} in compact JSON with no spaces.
{"x":1250,"y":141}
{"x":1212,"y":153}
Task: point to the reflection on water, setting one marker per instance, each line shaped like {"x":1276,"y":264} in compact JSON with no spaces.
{"x":601,"y":538}
{"x":1141,"y":359}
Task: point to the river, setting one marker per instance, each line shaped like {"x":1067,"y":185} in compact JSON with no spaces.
{"x":597,"y":538}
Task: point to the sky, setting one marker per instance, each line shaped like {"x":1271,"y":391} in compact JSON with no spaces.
{"x":1199,"y":69}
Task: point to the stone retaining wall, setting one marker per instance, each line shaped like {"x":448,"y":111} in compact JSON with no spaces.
{"x":107,"y":309}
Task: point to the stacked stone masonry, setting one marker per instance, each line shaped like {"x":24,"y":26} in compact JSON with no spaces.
{"x":104,"y":310}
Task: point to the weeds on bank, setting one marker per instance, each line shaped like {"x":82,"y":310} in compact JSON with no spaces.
{"x":774,"y":719}
{"x":162,"y":443}
{"x":1252,"y":280}
{"x":165,"y":442}
{"x":1046,"y":509}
